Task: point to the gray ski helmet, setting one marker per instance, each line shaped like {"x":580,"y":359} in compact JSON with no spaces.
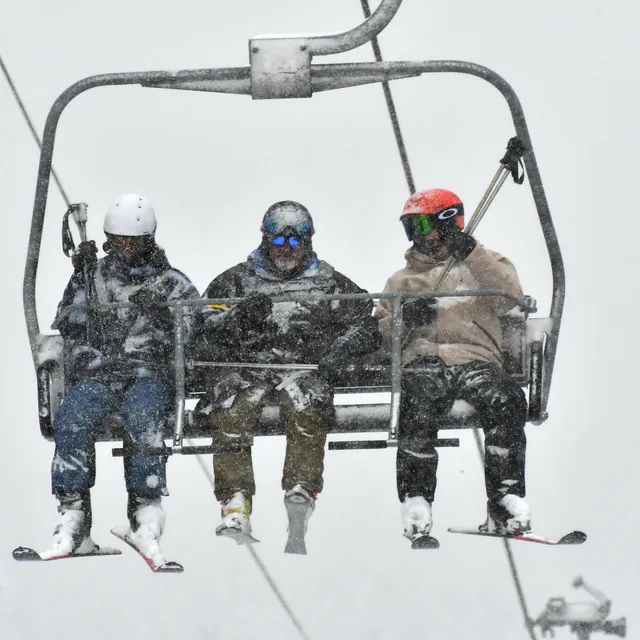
{"x":287,"y":214}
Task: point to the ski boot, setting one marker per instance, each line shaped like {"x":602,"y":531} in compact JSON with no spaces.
{"x":147,"y":520}
{"x":236,"y":524}
{"x":417,"y":522}
{"x":509,"y":516}
{"x":300,"y":501}
{"x":72,"y":534}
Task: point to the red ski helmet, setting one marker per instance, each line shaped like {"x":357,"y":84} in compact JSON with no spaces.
{"x":426,"y":210}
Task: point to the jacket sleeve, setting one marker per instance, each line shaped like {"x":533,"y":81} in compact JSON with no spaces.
{"x":356,"y":329}
{"x":383,"y":313}
{"x":215,"y":328}
{"x":493,"y":271}
{"x":71,"y":321}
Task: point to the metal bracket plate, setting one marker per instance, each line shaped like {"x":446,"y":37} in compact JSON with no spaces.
{"x":280,"y":68}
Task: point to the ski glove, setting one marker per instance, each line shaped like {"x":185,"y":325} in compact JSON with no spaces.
{"x":329,"y":366}
{"x":419,"y":312}
{"x":252,"y":311}
{"x":85,"y":255}
{"x":459,"y":244}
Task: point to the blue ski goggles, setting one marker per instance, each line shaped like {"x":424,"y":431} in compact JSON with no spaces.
{"x":279,"y":241}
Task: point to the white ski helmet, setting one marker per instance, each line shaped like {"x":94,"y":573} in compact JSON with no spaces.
{"x":130,"y":215}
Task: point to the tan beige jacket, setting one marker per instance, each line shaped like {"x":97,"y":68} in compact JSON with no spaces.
{"x":467,"y":328}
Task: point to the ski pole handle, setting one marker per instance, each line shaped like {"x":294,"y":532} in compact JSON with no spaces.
{"x":80,"y":217}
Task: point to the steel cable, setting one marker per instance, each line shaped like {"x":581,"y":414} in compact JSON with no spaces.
{"x":263,"y":569}
{"x":254,"y":554}
{"x":35,"y":135}
{"x":409,"y":177}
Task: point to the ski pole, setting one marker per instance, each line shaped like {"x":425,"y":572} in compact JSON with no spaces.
{"x":509,"y":164}
{"x":79,"y":214}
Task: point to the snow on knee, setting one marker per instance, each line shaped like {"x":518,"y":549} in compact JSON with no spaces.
{"x":497,"y":451}
{"x":153,"y":481}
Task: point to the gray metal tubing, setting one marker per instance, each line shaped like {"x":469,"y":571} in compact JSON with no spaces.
{"x":382,"y":16}
{"x":522,"y":303}
{"x":46,"y":155}
{"x":322,"y":73}
{"x":179,"y":365}
{"x":396,"y":367}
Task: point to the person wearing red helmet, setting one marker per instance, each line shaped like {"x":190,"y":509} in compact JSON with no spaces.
{"x":455,"y":343}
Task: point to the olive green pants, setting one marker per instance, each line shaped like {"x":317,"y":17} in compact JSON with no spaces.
{"x":306,"y":433}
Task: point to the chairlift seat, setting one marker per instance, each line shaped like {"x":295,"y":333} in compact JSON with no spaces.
{"x":358,"y":417}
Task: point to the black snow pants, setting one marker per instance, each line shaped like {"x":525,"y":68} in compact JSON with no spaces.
{"x":427,"y":398}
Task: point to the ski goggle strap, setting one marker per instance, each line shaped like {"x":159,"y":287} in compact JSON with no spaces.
{"x":273,"y":227}
{"x":279,"y":241}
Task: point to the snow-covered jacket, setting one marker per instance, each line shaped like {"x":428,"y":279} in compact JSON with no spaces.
{"x":302,"y":331}
{"x":126,"y":342}
{"x":465,"y":329}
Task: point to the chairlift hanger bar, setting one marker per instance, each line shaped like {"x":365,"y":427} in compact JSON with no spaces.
{"x":286,"y":76}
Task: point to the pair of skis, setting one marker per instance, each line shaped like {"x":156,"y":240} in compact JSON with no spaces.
{"x":572,"y":538}
{"x":297,"y":513}
{"x":26,"y":554}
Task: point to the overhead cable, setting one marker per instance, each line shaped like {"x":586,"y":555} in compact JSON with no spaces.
{"x":265,"y":572}
{"x":35,"y":135}
{"x":409,"y":177}
{"x":263,"y":569}
{"x":395,"y":123}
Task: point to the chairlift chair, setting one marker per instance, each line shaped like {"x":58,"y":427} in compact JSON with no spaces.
{"x":282,"y":67}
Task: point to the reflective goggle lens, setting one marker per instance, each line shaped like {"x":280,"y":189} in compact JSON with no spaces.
{"x":417,"y":225}
{"x":279,"y":241}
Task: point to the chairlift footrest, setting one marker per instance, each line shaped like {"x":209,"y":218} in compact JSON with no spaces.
{"x":120,"y":452}
{"x":342,"y":445}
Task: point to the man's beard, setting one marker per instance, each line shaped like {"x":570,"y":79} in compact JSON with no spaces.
{"x":288,"y":265}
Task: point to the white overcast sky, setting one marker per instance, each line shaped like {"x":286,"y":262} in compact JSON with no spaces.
{"x":212,"y":164}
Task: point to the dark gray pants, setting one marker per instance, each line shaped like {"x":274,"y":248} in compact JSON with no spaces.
{"x":427,"y":398}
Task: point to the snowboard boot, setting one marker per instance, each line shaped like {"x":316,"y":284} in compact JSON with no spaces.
{"x":416,"y":518}
{"x":72,"y":533}
{"x":509,"y":516}
{"x":300,"y":501}
{"x":235,"y":515}
{"x":147,"y":520}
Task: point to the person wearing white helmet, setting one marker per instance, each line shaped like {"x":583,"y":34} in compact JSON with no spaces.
{"x":454,"y":346}
{"x":119,"y":361}
{"x":260,"y":330}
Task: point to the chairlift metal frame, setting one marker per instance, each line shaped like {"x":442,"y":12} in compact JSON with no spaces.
{"x":281,"y":67}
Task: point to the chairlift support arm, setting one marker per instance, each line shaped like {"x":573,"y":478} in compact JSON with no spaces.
{"x":283,"y":74}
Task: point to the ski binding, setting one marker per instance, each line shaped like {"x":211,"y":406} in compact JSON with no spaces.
{"x":157,"y":567}
{"x":574,"y":537}
{"x":235,"y":533}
